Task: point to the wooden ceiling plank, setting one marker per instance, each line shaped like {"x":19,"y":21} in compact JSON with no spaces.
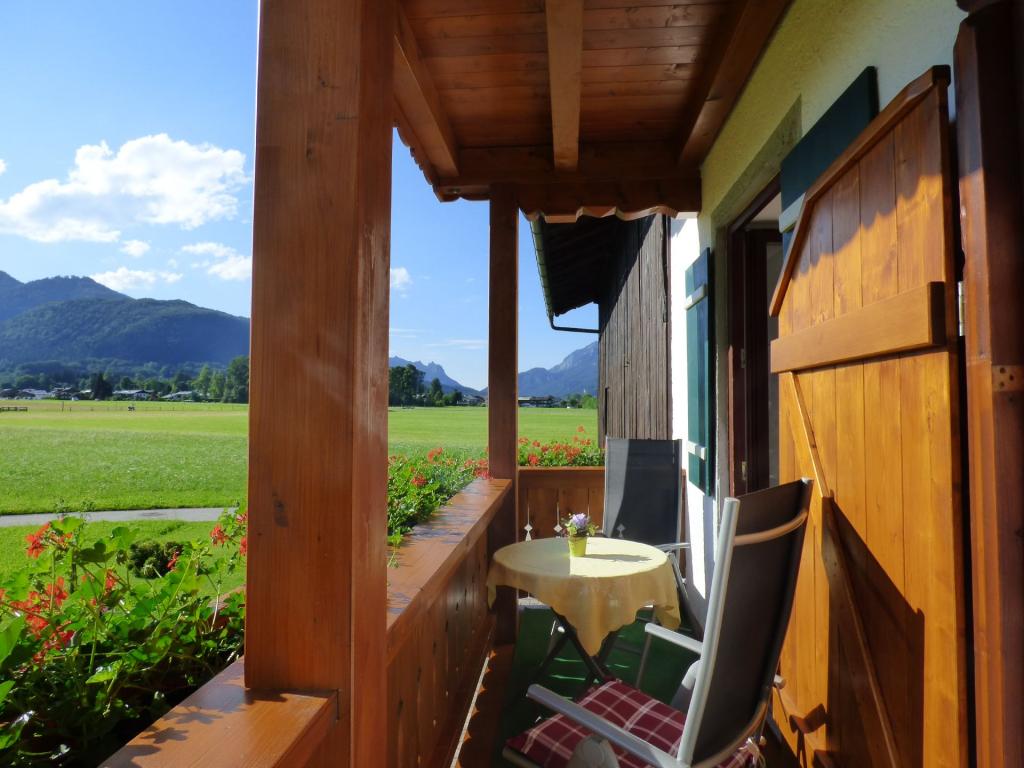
{"x":418,"y":9}
{"x":739,"y":43}
{"x":419,"y":102}
{"x":625,"y":57}
{"x":603,"y":20}
{"x":593,"y":5}
{"x":642,"y":72}
{"x":664,"y":15}
{"x":498,"y":62}
{"x":565,"y":62}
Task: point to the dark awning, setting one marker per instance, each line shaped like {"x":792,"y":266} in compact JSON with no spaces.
{"x":571,"y":259}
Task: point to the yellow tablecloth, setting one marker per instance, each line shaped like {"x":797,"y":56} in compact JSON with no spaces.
{"x":597,"y":594}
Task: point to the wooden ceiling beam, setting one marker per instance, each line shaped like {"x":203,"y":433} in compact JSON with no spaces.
{"x":565,"y":203}
{"x":417,"y":98}
{"x":741,"y":40}
{"x":481,"y":167}
{"x":564,"y":19}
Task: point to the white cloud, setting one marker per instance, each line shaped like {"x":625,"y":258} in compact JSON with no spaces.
{"x":400,"y":279}
{"x":172,"y":263}
{"x":3,"y":166}
{"x":149,"y":180}
{"x":227,"y":263}
{"x":135,"y":248}
{"x":124,"y":279}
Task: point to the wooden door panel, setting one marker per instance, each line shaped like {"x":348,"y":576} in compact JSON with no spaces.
{"x":875,"y":654}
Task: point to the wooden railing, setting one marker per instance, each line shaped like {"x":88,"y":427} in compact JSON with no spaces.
{"x":439,"y":632}
{"x":439,"y":628}
{"x":548,"y":495}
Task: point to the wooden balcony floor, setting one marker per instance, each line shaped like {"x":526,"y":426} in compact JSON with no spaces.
{"x":502,"y":710}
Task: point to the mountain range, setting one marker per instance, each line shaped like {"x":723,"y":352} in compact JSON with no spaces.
{"x":576,"y":374}
{"x":77,"y":320}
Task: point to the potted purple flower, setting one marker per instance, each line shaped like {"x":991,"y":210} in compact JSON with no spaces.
{"x":578,"y":528}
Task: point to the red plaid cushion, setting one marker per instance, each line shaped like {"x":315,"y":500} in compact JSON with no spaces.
{"x":550,"y":744}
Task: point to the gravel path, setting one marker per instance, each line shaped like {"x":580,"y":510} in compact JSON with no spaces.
{"x":199,"y":515}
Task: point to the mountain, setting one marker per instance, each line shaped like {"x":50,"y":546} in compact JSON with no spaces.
{"x":576,"y":374}
{"x":76,"y":320}
{"x":17,"y":297}
{"x":433,"y":371}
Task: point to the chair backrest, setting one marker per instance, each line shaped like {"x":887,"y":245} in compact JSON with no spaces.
{"x":643,"y":490}
{"x":752,"y":589}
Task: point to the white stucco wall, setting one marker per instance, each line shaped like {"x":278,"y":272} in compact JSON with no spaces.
{"x":820,"y":47}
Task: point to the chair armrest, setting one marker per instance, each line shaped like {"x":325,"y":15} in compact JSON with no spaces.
{"x":673,"y":547}
{"x":616,"y":735}
{"x":674,"y":637}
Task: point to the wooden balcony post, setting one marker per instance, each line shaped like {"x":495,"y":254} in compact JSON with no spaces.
{"x":316,"y":583}
{"x":502,"y":384}
{"x":989,"y":87}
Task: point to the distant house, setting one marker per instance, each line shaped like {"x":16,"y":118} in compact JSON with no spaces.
{"x":132,"y":394}
{"x":33,"y":394}
{"x":539,"y":401}
{"x":473,"y":400}
{"x":177,"y":397}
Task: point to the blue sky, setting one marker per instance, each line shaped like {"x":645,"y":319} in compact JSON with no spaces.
{"x":126,"y":153}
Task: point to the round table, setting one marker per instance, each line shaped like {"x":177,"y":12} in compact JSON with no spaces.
{"x":597,"y":594}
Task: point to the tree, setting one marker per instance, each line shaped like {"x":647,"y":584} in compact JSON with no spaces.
{"x":453,"y":398}
{"x":589,"y":402}
{"x":101,"y":388}
{"x":236,"y":388}
{"x":181,"y":382}
{"x":404,"y":384}
{"x":436,"y":394}
{"x":203,"y":381}
{"x":217,"y":382}
{"x":126,"y":383}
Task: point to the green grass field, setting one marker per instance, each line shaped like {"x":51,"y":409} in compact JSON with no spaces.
{"x":62,"y":456}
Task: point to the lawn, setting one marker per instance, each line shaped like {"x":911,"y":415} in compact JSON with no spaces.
{"x":13,"y":559}
{"x":62,"y":456}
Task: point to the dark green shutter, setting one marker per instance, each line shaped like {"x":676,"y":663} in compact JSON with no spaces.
{"x":699,"y":371}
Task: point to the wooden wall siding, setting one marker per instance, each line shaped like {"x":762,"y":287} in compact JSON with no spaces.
{"x":634,"y":389}
{"x":548,"y":495}
{"x":439,"y":628}
{"x":875,"y":655}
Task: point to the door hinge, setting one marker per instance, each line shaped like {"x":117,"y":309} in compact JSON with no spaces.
{"x":743,"y":471}
{"x":961,"y":307}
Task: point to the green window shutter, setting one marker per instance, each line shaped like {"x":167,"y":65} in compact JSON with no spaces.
{"x":699,"y":365}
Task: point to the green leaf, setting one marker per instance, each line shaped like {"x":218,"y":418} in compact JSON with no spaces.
{"x":5,"y":688}
{"x":67,"y":524}
{"x":105,"y":673}
{"x":11,"y":732}
{"x":9,"y":637}
{"x":97,"y":553}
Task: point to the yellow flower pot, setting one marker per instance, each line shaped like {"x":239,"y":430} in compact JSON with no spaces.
{"x":578,"y":546}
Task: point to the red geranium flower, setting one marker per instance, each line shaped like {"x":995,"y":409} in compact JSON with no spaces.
{"x":534,"y":459}
{"x":419,"y":480}
{"x":243,"y":546}
{"x":218,"y":536}
{"x":57,"y":592}
{"x":37,"y":541}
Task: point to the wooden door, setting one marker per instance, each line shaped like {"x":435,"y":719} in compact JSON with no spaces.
{"x":868,"y":364}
